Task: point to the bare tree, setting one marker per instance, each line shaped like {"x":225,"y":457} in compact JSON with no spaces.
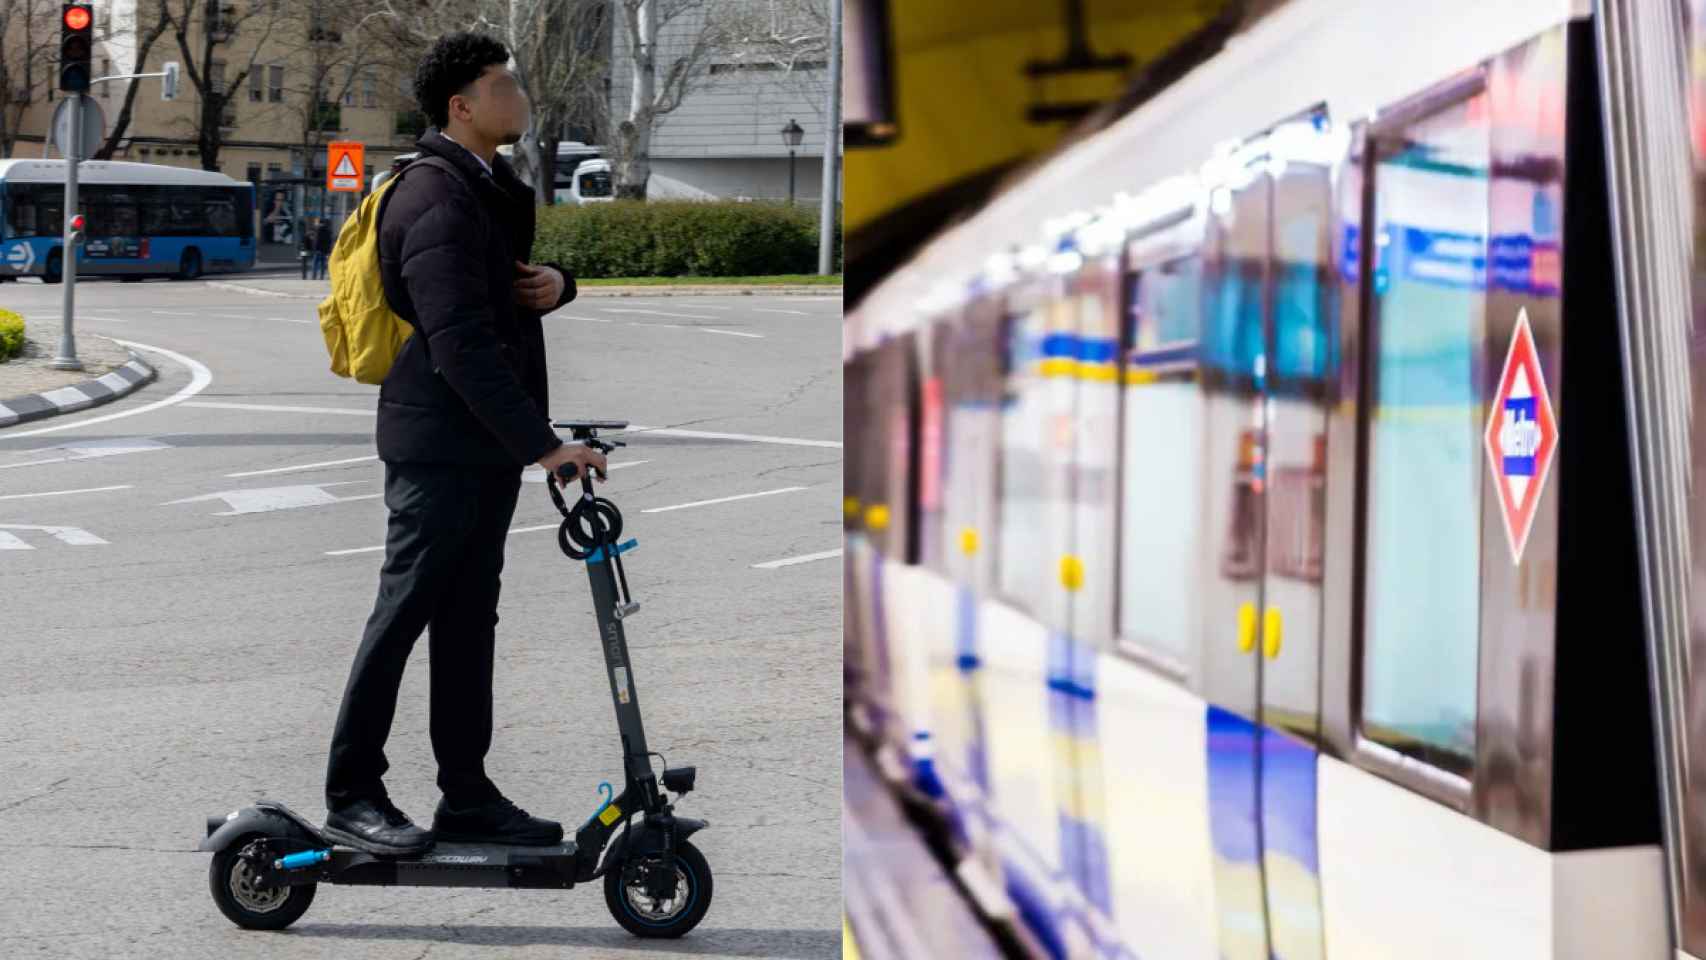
{"x":559,"y":56}
{"x":28,"y":33}
{"x":332,"y":51}
{"x":787,"y":41}
{"x":668,"y":44}
{"x":203,"y":30}
{"x":150,"y":25}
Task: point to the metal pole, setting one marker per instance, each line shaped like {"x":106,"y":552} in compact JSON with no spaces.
{"x":790,"y":176}
{"x":831,"y":147}
{"x":67,"y":358}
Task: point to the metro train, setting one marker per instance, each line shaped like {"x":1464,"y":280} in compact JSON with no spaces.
{"x":1256,"y":515}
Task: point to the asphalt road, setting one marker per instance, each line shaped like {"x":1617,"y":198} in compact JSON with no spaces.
{"x":185,"y":653}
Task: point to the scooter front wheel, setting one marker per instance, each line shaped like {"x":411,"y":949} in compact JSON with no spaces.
{"x":660,"y":895}
{"x":244,"y":900}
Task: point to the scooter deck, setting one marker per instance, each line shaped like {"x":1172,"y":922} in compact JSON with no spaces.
{"x":458,"y":865}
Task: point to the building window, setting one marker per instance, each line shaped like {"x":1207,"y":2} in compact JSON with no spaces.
{"x":369,"y":90}
{"x":275,"y":84}
{"x":106,"y":71}
{"x":253,"y":174}
{"x":216,"y":76}
{"x":1422,"y":601}
{"x":255,"y":81}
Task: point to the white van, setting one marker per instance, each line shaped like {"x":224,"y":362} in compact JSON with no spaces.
{"x":587,"y":183}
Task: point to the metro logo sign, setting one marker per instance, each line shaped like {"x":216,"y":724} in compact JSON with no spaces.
{"x":1522,"y":436}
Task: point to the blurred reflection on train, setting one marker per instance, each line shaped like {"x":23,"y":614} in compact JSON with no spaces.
{"x":1244,"y":555}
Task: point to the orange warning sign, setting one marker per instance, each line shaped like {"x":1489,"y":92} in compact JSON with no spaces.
{"x":343,"y":165}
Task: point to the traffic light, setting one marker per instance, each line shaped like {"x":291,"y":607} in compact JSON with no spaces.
{"x":76,"y":41}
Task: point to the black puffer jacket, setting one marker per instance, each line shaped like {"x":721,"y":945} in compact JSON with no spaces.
{"x":469,"y":386}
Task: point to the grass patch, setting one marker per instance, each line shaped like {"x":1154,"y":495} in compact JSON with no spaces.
{"x":779,"y":280}
{"x":11,"y":335}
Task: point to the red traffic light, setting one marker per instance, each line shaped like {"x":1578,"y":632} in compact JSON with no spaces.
{"x":77,"y":18}
{"x":77,"y":223}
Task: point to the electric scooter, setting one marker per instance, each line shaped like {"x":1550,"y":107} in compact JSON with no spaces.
{"x":268,"y":860}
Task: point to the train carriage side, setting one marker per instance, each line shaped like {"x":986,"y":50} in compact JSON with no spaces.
{"x":1307,"y":584}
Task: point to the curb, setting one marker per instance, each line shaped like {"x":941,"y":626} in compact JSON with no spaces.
{"x":729,"y":290}
{"x":79,"y":396}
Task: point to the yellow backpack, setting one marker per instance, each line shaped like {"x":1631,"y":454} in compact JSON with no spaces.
{"x":363,"y":334}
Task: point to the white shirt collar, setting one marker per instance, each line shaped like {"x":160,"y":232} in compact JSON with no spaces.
{"x":482,"y":160}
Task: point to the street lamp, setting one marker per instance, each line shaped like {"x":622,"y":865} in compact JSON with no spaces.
{"x":792,"y":134}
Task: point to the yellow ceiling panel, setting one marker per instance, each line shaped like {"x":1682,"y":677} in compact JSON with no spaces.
{"x":961,"y":91}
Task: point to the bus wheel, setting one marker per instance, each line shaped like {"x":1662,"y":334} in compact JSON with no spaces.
{"x":189,"y":267}
{"x":53,"y":272}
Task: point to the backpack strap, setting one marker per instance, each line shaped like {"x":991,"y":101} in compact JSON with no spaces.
{"x":392,"y":185}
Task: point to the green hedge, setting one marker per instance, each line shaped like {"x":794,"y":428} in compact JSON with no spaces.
{"x":11,"y":335}
{"x":680,"y":239}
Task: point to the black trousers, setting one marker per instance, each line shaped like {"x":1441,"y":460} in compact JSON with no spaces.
{"x":444,"y":551}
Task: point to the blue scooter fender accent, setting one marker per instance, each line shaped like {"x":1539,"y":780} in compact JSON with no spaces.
{"x":265,"y":818}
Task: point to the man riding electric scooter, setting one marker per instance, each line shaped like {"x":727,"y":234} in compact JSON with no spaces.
{"x":461,"y":413}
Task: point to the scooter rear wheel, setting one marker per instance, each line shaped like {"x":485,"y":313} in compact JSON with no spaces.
{"x":247,"y":903}
{"x":639,"y":913}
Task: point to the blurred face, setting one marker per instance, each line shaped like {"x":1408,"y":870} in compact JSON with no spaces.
{"x":494,"y":106}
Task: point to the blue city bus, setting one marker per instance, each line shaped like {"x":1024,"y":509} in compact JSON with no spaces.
{"x":141,"y":220}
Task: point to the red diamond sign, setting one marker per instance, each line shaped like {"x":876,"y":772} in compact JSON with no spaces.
{"x":1521,"y":437}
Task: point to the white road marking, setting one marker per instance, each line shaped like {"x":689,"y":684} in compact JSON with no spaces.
{"x":276,"y":408}
{"x":75,"y":536}
{"x":92,"y":450}
{"x":797,"y":313}
{"x":576,"y":316}
{"x":633,"y":428}
{"x":658,"y":313}
{"x":291,"y":320}
{"x":300,"y":466}
{"x":773,"y":564}
{"x":268,"y":499}
{"x":743,"y":437}
{"x":64,"y":493}
{"x":11,"y":541}
{"x":200,"y":377}
{"x":733,"y":333}
{"x":552,"y":526}
{"x":706,"y":503}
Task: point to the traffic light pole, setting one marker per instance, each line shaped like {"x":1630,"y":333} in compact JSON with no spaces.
{"x":67,"y":358}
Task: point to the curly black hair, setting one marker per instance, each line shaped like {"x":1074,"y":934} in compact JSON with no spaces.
{"x":455,"y":61}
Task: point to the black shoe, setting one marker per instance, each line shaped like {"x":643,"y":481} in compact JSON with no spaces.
{"x":497,"y":821}
{"x":377,"y":827}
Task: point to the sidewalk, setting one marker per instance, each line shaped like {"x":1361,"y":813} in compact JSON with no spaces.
{"x":295,"y":288}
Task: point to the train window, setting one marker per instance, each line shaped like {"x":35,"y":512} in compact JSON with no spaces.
{"x":1161,"y":506}
{"x":1423,"y":522}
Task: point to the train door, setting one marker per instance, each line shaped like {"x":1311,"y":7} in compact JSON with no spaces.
{"x":1265,"y":357}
